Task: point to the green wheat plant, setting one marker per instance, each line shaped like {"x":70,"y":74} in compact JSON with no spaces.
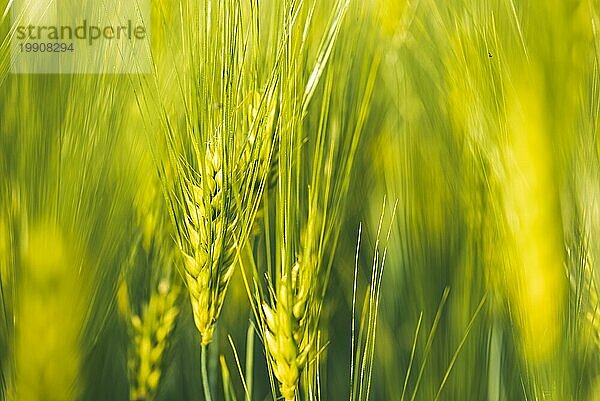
{"x":315,"y":161}
{"x":150,"y":332}
{"x":150,"y":327}
{"x":218,"y":155}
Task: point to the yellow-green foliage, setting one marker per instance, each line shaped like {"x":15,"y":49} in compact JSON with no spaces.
{"x":49,"y":314}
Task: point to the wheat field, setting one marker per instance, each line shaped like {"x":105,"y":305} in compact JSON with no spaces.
{"x":304,"y":200}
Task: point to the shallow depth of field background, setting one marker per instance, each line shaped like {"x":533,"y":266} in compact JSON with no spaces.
{"x":482,"y":130}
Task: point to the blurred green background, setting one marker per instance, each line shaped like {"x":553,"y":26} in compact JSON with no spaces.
{"x":483,"y":130}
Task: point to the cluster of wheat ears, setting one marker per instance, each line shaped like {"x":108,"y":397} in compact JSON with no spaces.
{"x":148,"y":222}
{"x":262,"y":151}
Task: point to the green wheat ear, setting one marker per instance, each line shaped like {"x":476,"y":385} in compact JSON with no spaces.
{"x":150,"y":334}
{"x":212,"y":227}
{"x":150,"y":326}
{"x":219,"y":157}
{"x":289,"y":322}
{"x":268,"y":153}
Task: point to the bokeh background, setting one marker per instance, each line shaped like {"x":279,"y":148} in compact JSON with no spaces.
{"x":482,"y":130}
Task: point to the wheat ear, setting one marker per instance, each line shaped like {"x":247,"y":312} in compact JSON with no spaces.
{"x":211,"y":227}
{"x":262,"y":113}
{"x":151,"y":331}
{"x":289,"y":323}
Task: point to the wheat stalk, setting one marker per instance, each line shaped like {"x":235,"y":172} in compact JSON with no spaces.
{"x":314,"y":167}
{"x":289,"y":321}
{"x":151,"y":331}
{"x":220,"y":159}
{"x":151,"y":328}
{"x":211,"y":227}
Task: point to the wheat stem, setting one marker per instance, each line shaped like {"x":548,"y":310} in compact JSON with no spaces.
{"x":205,"y":384}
